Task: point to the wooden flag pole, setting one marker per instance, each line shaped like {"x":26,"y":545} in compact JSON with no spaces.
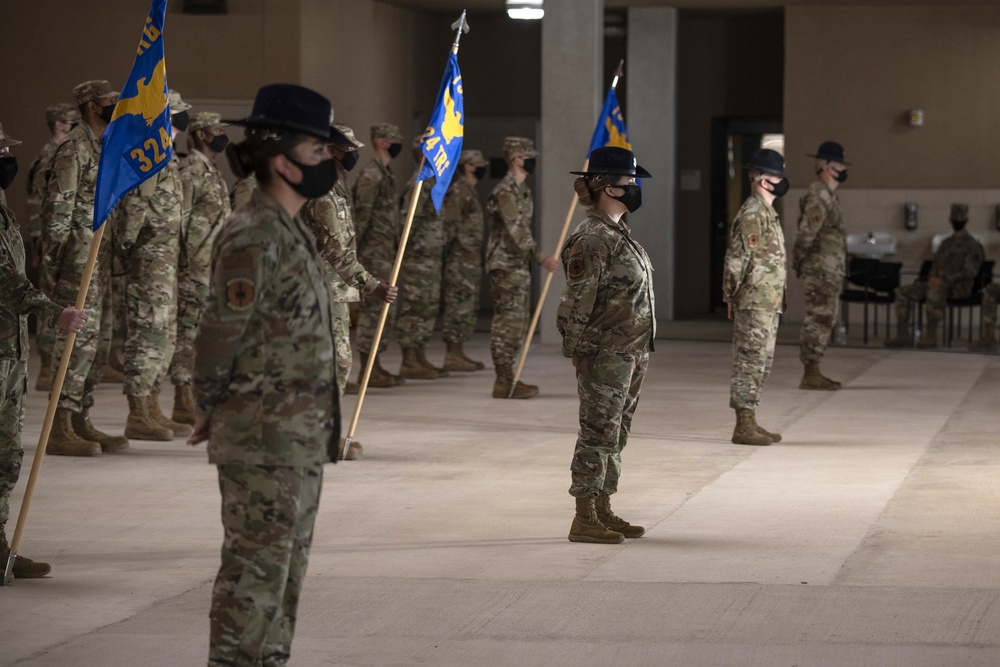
{"x":50,"y":413}
{"x":548,"y":278}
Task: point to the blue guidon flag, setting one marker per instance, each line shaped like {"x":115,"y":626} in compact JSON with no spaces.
{"x":610,"y":130}
{"x":137,"y":142}
{"x":442,"y":140}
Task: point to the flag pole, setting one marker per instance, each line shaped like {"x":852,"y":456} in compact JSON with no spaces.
{"x":460,"y":26}
{"x":57,"y":383}
{"x":548,"y":276}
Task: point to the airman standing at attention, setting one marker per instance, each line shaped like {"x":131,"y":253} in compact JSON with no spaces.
{"x":753,"y":287}
{"x":463,"y":259}
{"x":68,"y":219}
{"x":207,"y":201}
{"x":510,"y":252}
{"x":61,"y":118}
{"x":376,"y":217}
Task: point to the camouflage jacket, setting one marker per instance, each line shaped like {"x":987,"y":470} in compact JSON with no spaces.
{"x":207,"y":201}
{"x":38,"y":174}
{"x":754,"y":270}
{"x":69,"y":194}
{"x":151,"y":213}
{"x":264,"y":372}
{"x":18,"y":297}
{"x":957,"y":262}
{"x":331,"y":222}
{"x":463,"y":215}
{"x":376,"y":217}
{"x":607,"y":303}
{"x":509,"y":210}
{"x":242,"y":190}
{"x":821,"y":244}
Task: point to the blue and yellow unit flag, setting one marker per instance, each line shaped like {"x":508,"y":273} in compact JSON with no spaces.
{"x":610,"y":130}
{"x":442,"y":140}
{"x":137,"y":142}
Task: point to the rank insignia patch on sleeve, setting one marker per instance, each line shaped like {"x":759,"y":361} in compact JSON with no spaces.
{"x":239,"y":294}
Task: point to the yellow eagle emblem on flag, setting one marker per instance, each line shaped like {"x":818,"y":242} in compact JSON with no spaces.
{"x":150,"y":99}
{"x":452,"y":126}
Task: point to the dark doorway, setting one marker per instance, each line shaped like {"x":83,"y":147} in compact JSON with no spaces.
{"x":733,"y":141}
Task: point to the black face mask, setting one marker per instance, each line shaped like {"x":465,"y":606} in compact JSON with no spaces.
{"x":317,"y":179}
{"x":632,"y":198}
{"x":840,"y":176}
{"x":107,"y":113}
{"x":529,"y":165}
{"x":479,"y":173}
{"x":779,"y":189}
{"x":958,"y":225}
{"x":8,"y":170}
{"x":349,"y":160}
{"x":218,"y":143}
{"x":394,"y":149}
{"x":180,"y":121}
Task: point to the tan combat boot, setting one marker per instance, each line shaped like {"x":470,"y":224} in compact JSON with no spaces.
{"x":140,"y":425}
{"x":422,"y":360}
{"x":86,"y":430}
{"x":351,"y":388}
{"x":455,"y":360}
{"x":179,"y":430}
{"x":502,"y":386}
{"x":112,"y":375}
{"x":988,"y":343}
{"x":64,"y":441}
{"x":44,"y":381}
{"x":930,"y":339}
{"x":354,"y":451}
{"x":588,"y":528}
{"x":902,"y":337}
{"x":746,"y":432}
{"x":613,"y":521}
{"x":775,"y":437}
{"x":184,"y":410}
{"x":412,"y":368}
{"x":24,"y":568}
{"x":380,"y":377}
{"x":813,"y":379}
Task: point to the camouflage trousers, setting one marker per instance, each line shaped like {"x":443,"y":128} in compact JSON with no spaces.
{"x":463,"y":270}
{"x":991,"y":295}
{"x":420,"y":284}
{"x":754,"y":335}
{"x":13,"y":386}
{"x":93,"y":342}
{"x":935,"y":300}
{"x":119,"y":328}
{"x":371,"y":309}
{"x":608,"y":384}
{"x":341,"y":316}
{"x":510,"y":291}
{"x":192,"y":294}
{"x":822,"y":293}
{"x":45,"y":340}
{"x":268,"y":514}
{"x":151,"y":309}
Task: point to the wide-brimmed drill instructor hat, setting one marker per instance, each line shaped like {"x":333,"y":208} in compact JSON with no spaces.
{"x":613,"y":161}
{"x":959,"y":213}
{"x":7,"y":141}
{"x":287,"y":106}
{"x":830,"y":151}
{"x":767,"y":161}
{"x":66,"y":113}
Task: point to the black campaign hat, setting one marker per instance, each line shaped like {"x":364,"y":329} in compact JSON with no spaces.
{"x":767,"y":161}
{"x":830,"y":151}
{"x":613,"y":161}
{"x":286,"y":106}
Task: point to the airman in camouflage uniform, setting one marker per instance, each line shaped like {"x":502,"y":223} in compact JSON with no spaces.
{"x":242,"y":191}
{"x":265,"y":383}
{"x":68,"y":219}
{"x":376,"y":217}
{"x":61,"y":118}
{"x":953,"y":274}
{"x":331,"y":220}
{"x":147,"y":229}
{"x":511,"y":249}
{"x":463,"y":259}
{"x":820,"y":258}
{"x":988,"y":343}
{"x":607,"y":320}
{"x":18,"y":299}
{"x":753,"y":287}
{"x":207,"y":201}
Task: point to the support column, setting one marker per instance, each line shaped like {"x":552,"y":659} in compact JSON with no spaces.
{"x":572,"y":91}
{"x":651,"y":68}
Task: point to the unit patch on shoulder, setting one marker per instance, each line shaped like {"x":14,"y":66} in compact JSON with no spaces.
{"x":575,"y":267}
{"x":239,"y":294}
{"x":753,"y":240}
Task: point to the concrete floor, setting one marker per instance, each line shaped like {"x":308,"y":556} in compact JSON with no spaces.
{"x":869,"y":536}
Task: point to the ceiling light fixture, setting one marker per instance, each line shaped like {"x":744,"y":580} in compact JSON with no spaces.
{"x":528,"y":10}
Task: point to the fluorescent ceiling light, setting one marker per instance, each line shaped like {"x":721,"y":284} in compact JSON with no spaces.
{"x":528,"y":10}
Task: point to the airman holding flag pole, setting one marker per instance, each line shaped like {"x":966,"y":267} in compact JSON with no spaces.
{"x":441,"y":147}
{"x":136,"y":145}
